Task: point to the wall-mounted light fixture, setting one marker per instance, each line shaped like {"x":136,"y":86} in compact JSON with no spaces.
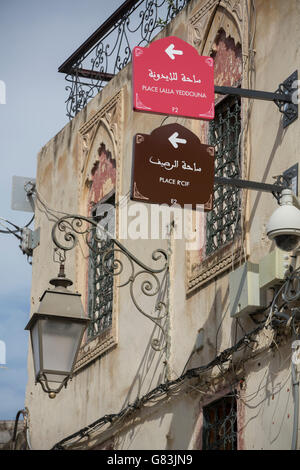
{"x":56,"y":331}
{"x":57,"y":327}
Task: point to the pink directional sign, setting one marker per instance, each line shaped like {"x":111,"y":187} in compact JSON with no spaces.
{"x":170,"y":77}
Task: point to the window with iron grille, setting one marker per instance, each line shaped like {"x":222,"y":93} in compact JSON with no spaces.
{"x":220,"y":425}
{"x":223,"y":221}
{"x":100,"y":282}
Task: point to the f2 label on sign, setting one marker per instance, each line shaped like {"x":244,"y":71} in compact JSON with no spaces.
{"x":170,"y":77}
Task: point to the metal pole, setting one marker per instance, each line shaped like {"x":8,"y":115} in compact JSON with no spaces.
{"x":255,"y":185}
{"x":253,"y":94}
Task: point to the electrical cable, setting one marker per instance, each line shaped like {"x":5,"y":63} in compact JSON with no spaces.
{"x":162,"y":389}
{"x":172,"y":386}
{"x":17,"y":229}
{"x":287,"y":295}
{"x":295,"y":384}
{"x":273,"y":303}
{"x":11,"y":232}
{"x":48,"y":209}
{"x":52,"y":212}
{"x":30,"y":221}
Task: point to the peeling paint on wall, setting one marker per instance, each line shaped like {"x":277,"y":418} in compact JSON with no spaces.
{"x":227,"y":60}
{"x":103,"y":177}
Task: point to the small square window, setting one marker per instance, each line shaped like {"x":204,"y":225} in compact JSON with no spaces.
{"x":220,"y":425}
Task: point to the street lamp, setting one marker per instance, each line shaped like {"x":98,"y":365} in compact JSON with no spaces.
{"x":57,"y":328}
{"x":56,"y":331}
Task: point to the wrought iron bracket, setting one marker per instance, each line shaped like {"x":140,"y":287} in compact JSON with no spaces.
{"x":151,"y":282}
{"x":282,"y":182}
{"x":285,"y":97}
{"x":246,"y":184}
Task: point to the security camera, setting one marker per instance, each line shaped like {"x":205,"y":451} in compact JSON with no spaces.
{"x":284,"y":224}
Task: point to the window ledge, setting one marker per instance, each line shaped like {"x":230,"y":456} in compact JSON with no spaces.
{"x":215,"y":264}
{"x":96,"y":347}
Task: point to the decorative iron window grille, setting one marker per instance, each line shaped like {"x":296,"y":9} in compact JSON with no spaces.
{"x":220,"y":425}
{"x":109,"y":48}
{"x":223,"y":221}
{"x":100,"y":281}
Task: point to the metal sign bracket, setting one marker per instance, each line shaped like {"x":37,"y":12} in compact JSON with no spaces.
{"x":284,"y":181}
{"x":285,"y":97}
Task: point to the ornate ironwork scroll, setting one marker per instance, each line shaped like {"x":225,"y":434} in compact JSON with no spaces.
{"x":108,"y":50}
{"x":151,"y":282}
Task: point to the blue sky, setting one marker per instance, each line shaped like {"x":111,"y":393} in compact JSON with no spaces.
{"x":35,"y":38}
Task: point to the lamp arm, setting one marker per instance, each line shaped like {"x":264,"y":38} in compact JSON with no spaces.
{"x":150,"y":281}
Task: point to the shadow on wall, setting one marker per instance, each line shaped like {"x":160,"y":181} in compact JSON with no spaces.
{"x":277,"y":142}
{"x":153,"y":368}
{"x":150,"y":363}
{"x":268,"y":404}
{"x":184,"y":425}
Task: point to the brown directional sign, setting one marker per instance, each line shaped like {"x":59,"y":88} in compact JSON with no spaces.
{"x":171,"y":166}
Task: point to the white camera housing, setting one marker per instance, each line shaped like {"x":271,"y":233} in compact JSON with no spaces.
{"x":284,"y":224}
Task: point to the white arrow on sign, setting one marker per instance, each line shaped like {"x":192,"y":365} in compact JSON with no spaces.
{"x":172,"y":52}
{"x":175,"y":141}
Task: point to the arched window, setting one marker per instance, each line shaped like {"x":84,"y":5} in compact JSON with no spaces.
{"x":223,"y":221}
{"x":100,"y":281}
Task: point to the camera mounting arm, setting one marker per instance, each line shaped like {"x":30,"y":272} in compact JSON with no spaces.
{"x":283,"y":182}
{"x":284,"y":224}
{"x":254,"y":185}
